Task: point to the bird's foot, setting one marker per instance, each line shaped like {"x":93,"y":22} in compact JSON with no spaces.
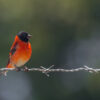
{"x":26,"y":69}
{"x":17,"y":69}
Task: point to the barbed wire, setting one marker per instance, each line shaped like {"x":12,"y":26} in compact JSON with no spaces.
{"x":46,"y":71}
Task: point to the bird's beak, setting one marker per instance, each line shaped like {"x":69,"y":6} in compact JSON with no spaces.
{"x":29,"y":36}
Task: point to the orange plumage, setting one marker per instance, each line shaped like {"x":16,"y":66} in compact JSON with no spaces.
{"x":20,"y":51}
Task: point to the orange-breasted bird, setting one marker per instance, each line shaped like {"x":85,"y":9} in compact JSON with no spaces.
{"x":20,"y":51}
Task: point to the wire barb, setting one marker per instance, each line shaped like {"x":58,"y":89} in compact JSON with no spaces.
{"x":46,"y":70}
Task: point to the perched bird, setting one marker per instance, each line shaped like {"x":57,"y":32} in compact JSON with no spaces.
{"x":20,"y":51}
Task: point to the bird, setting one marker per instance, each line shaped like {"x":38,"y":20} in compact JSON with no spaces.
{"x":20,"y":51}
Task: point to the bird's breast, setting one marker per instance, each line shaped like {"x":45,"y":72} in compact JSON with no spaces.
{"x":22,"y":55}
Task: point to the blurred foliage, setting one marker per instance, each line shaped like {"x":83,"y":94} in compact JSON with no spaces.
{"x":54,"y":25}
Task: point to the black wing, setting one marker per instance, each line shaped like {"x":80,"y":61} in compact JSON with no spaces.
{"x":13,"y":48}
{"x":12,"y":51}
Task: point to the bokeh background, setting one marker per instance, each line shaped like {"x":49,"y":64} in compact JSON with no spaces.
{"x":65,"y":33}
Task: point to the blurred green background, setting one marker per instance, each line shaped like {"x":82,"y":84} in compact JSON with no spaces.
{"x":65,"y":33}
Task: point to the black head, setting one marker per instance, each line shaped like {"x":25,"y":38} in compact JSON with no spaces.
{"x":24,"y":36}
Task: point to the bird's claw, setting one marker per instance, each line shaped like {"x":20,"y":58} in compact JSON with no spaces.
{"x":26,"y":69}
{"x":17,"y":69}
